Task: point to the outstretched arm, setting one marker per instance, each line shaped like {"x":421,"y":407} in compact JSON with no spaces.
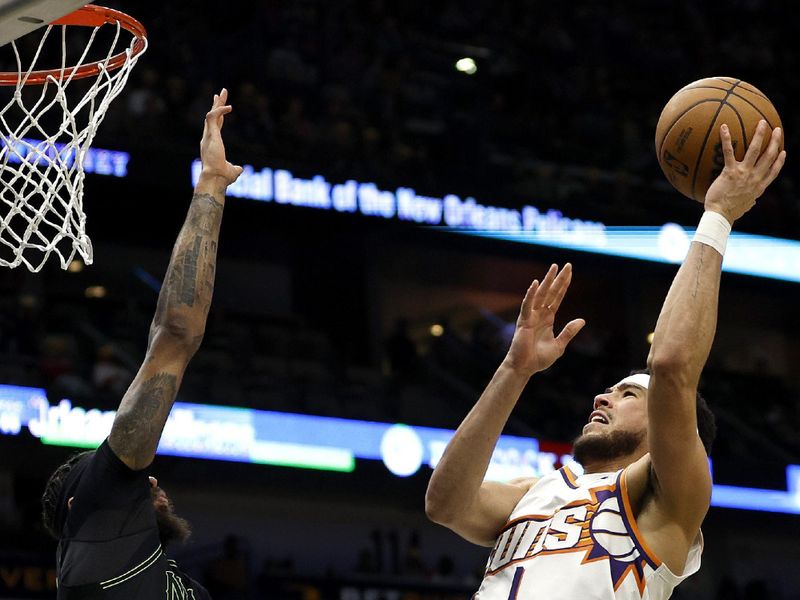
{"x":457,"y":496}
{"x":183,"y":305}
{"x":684,"y":334}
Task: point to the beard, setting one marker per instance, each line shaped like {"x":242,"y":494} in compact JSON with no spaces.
{"x":171,"y":527}
{"x":589,"y":448}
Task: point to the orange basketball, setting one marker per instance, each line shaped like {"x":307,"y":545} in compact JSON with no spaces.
{"x":687,"y":135}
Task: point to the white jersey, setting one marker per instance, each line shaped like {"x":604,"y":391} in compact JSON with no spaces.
{"x":575,"y":537}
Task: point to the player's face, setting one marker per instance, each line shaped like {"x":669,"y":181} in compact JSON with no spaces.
{"x":616,"y":428}
{"x":621,"y":408}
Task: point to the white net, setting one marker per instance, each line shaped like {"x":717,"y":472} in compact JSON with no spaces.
{"x":45,"y":133}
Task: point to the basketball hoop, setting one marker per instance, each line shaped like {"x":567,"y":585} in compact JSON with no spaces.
{"x":45,"y":135}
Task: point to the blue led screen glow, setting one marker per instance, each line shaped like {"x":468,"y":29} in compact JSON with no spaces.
{"x":311,"y":442}
{"x":746,"y":254}
{"x":96,"y":161}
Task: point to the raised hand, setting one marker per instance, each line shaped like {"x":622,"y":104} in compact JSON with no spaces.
{"x":212,"y":149}
{"x":740,"y":184}
{"x":534,"y":346}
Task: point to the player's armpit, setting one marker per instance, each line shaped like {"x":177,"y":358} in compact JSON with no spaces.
{"x":681,"y":476}
{"x":490,"y":511}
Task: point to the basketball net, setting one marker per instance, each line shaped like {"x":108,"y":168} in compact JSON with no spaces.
{"x":45,"y":134}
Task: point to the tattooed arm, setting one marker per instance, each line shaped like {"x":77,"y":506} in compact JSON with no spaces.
{"x":183,"y":305}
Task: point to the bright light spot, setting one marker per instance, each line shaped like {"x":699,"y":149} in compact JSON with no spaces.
{"x":437,"y":330}
{"x":673,"y":242}
{"x":650,"y":338}
{"x":402,"y":450}
{"x":76,"y":266}
{"x":95,"y":291}
{"x":466,"y":65}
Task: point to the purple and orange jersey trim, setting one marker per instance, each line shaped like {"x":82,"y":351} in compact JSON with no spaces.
{"x":507,"y":546}
{"x":569,"y":477}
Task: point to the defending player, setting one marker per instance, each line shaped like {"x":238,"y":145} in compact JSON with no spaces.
{"x":630,"y":526}
{"x":112,"y":520}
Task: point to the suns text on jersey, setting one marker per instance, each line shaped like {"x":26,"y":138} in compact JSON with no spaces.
{"x":567,"y":530}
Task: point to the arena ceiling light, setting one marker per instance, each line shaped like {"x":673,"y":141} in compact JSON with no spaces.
{"x":467,"y":66}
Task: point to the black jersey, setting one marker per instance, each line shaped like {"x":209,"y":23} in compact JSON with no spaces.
{"x":110,"y":547}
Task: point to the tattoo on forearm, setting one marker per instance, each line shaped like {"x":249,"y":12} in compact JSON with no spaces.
{"x":137,"y":429}
{"x":204,"y":213}
{"x":698,"y":271}
{"x":188,"y":286}
{"x":190,"y":277}
{"x":210,"y":249}
{"x":183,"y":280}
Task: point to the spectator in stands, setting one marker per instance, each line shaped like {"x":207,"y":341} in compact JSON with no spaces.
{"x":227,"y":576}
{"x":414,"y":566}
{"x":109,"y":376}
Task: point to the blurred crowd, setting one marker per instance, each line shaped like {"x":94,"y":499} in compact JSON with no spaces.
{"x":229,"y":572}
{"x":89,"y":349}
{"x":390,"y":560}
{"x":561,"y":110}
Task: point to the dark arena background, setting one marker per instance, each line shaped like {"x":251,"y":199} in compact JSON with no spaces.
{"x":411,"y":167}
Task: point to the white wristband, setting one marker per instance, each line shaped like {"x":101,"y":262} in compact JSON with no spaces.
{"x":713,"y":230}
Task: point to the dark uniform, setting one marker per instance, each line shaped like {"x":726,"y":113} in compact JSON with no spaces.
{"x":110,"y":547}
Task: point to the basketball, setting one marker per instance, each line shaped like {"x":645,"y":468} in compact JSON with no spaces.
{"x":688,"y":143}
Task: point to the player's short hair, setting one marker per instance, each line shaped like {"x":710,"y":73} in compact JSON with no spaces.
{"x":706,"y":422}
{"x":51,"y":498}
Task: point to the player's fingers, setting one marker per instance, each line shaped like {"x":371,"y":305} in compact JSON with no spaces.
{"x":540,"y":300}
{"x":565,"y":278}
{"x":222,"y":110}
{"x":766,"y":160}
{"x":776,"y":167}
{"x":225,"y":110}
{"x":220,"y":99}
{"x":527,"y":301}
{"x":727,"y":146}
{"x":213,"y":116}
{"x":570,"y":330}
{"x":558,"y":284}
{"x":754,"y":150}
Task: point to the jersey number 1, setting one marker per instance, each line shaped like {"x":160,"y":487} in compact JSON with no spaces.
{"x":515,"y":583}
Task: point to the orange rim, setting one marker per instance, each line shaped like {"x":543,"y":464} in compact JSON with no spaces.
{"x":88,"y":16}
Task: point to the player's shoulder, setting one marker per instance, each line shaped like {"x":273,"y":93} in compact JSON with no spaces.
{"x":638,"y":477}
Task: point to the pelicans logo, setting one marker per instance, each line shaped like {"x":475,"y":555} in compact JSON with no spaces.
{"x":176,"y":590}
{"x":601,"y":527}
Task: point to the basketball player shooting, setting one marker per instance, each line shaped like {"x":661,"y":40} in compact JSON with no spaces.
{"x":111,"y":519}
{"x":629,"y":527}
